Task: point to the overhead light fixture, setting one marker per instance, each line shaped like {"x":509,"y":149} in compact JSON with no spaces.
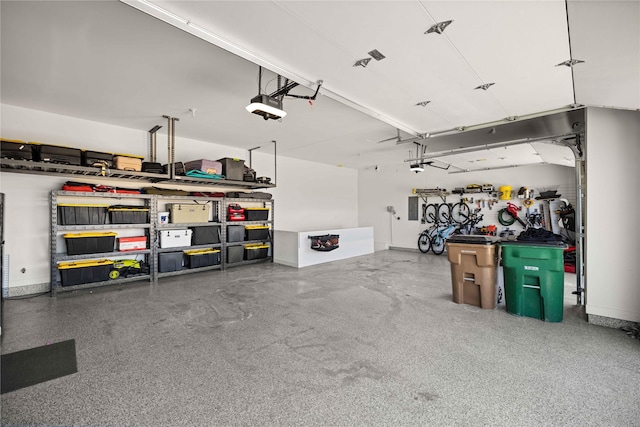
{"x":570,"y":63}
{"x":362,"y":62}
{"x":416,"y":167}
{"x":439,"y":27}
{"x":484,"y":86}
{"x":267,"y":106}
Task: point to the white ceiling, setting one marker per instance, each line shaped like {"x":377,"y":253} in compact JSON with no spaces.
{"x":112,"y":63}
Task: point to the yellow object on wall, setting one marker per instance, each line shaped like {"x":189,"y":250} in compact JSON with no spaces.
{"x":505,"y":192}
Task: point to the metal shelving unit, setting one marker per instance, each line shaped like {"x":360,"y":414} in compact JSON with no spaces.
{"x":190,"y":270}
{"x":153,"y":202}
{"x":269,"y":221}
{"x":57,"y":257}
{"x":45,"y":168}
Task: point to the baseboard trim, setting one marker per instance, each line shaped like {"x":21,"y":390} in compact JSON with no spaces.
{"x":26,"y":290}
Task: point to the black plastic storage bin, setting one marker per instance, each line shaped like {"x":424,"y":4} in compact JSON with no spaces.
{"x":88,"y":271}
{"x":257,"y":251}
{"x":74,"y":214}
{"x":57,"y":154}
{"x":120,"y":214}
{"x":232,"y":168}
{"x":257,"y":232}
{"x":89,"y":243}
{"x":201,"y":258}
{"x":235,"y":254}
{"x":256,"y":214}
{"x":15,"y":149}
{"x":205,"y":235}
{"x":97,"y":158}
{"x":235,"y":233}
{"x":170,"y":261}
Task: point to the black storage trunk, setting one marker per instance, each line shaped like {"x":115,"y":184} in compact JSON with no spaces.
{"x":57,"y":154}
{"x":73,"y":214}
{"x":178,"y":166}
{"x":89,"y":243}
{"x":17,"y":150}
{"x":169,"y":261}
{"x":120,"y":214}
{"x":97,"y":158}
{"x":235,"y":254}
{"x":205,"y":235}
{"x":152,"y":167}
{"x":90,"y":271}
{"x":201,"y":258}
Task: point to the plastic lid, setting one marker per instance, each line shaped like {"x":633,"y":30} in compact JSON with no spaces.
{"x":255,"y":246}
{"x":134,"y":156}
{"x":472,"y":239}
{"x":82,"y":264}
{"x":16,"y":141}
{"x":133,"y":208}
{"x":82,"y":205}
{"x":256,"y":227}
{"x":201,"y":251}
{"x":560,"y":245}
{"x":89,"y":234}
{"x":257,"y":209}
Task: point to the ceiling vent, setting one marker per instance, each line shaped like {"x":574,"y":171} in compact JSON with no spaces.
{"x":375,"y":54}
{"x":484,"y":86}
{"x":439,"y":27}
{"x":570,"y":63}
{"x":362,"y":62}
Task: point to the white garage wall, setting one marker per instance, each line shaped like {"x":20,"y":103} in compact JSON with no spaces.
{"x":613,"y":179}
{"x":392,"y":185}
{"x":308,"y":195}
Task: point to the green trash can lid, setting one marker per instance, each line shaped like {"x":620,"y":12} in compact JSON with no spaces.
{"x":528,"y":243}
{"x":474,"y":239}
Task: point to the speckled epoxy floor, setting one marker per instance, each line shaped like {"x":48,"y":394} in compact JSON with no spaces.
{"x":374,"y":340}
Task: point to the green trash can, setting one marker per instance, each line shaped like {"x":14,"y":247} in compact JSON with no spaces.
{"x":534,"y":279}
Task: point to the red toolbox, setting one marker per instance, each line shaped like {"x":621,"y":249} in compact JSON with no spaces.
{"x":235,"y":208}
{"x":136,"y":243}
{"x":236,"y":217}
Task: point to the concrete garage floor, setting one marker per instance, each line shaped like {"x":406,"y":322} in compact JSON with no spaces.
{"x":374,"y":340}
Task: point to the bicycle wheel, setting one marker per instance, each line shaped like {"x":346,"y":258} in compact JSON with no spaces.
{"x":424,"y":243}
{"x":437,"y":244}
{"x":431,"y":213}
{"x":460,"y":213}
{"x":444,"y":213}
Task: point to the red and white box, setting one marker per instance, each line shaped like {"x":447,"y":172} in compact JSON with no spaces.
{"x":136,"y":243}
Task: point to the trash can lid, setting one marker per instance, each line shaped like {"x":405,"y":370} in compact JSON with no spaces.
{"x":472,"y":239}
{"x":561,"y":245}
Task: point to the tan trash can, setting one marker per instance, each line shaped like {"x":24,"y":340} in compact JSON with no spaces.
{"x":473,"y":269}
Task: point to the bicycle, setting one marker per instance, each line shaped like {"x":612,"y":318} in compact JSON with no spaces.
{"x":424,"y":240}
{"x":438,"y":239}
{"x":446,"y":212}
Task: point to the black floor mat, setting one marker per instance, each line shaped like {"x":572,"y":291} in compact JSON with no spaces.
{"x":36,"y":365}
